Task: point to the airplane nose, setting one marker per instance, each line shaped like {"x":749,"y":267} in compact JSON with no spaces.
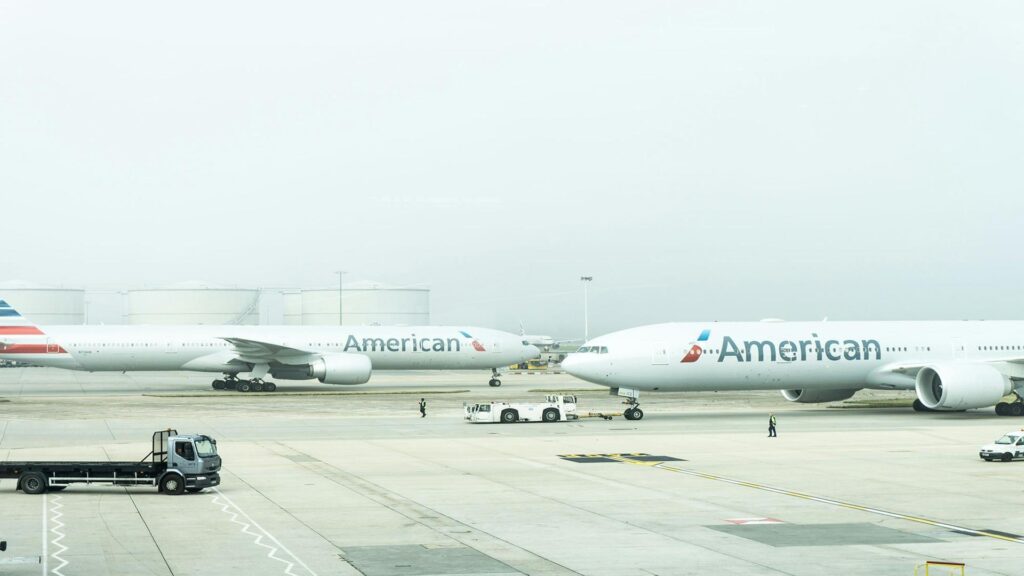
{"x":576,"y":366}
{"x":532,"y":352}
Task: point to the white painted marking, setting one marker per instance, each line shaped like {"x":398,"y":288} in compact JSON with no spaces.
{"x":58,"y":529}
{"x":226,"y":504}
{"x":747,"y":521}
{"x":46,"y":535}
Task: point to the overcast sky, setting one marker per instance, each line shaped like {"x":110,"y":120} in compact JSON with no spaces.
{"x":701,"y":160}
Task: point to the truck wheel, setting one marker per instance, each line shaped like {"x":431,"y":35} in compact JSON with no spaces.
{"x":33,"y":483}
{"x":1007,"y":457}
{"x":509,"y":416}
{"x":551,"y":415}
{"x":172,"y":484}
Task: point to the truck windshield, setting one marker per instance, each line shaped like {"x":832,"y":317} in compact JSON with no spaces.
{"x":1008,"y":439}
{"x":206,"y":447}
{"x":483,"y":407}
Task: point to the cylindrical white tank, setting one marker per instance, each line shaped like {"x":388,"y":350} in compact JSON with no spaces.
{"x":292,"y":307}
{"x":45,"y":305}
{"x":366,"y":304}
{"x":194,"y":303}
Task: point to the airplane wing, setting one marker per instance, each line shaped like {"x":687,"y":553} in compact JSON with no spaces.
{"x":903,"y":375}
{"x":258,"y":351}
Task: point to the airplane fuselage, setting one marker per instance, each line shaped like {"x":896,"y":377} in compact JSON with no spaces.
{"x":204,"y":348}
{"x":790,"y":355}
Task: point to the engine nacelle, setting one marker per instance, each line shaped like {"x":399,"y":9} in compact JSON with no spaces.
{"x":341,"y":369}
{"x":960,"y":386}
{"x":815,"y":396}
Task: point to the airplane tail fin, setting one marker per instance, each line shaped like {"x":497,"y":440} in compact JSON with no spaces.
{"x":12,"y":323}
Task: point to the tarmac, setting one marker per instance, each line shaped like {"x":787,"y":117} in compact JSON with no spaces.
{"x":322,"y":480}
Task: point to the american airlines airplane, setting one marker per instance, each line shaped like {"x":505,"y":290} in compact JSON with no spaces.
{"x":953,"y":366}
{"x":332,"y":355}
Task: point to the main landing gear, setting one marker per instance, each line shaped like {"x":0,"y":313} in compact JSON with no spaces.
{"x":1015,"y":408}
{"x":232,"y":382}
{"x":494,"y":382}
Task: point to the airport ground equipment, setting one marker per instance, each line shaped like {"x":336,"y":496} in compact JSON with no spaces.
{"x":1010,"y":446}
{"x":178,"y":463}
{"x":555,"y":408}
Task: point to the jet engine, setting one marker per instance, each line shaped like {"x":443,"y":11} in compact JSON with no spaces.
{"x":815,"y":396}
{"x":341,"y":369}
{"x":330,"y":369}
{"x":960,"y":386}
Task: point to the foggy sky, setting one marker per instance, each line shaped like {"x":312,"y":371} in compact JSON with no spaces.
{"x":702,"y":160}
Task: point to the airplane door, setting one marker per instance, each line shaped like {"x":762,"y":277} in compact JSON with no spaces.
{"x":659,"y":355}
{"x":959,"y":349}
{"x":52,"y":347}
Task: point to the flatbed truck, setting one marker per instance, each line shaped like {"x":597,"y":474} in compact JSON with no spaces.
{"x":177,"y":464}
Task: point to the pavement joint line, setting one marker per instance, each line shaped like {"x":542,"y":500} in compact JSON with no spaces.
{"x":226,"y":505}
{"x":823,"y":500}
{"x":392,"y":501}
{"x":609,"y":517}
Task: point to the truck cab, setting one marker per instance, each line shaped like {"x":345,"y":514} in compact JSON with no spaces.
{"x":192,"y":454}
{"x":1007,"y":448}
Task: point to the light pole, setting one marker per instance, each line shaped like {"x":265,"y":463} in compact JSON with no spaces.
{"x":586,"y":307}
{"x":340,"y":274}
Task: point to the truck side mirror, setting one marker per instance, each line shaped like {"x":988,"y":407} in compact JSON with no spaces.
{"x":3,"y":545}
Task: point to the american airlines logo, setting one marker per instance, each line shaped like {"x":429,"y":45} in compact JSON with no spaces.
{"x":787,"y":350}
{"x":410,"y":344}
{"x":696,"y":351}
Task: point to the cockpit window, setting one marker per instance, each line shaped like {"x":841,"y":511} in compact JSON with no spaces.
{"x":604,"y":350}
{"x":525,"y":343}
{"x":593,"y":350}
{"x":583,"y":349}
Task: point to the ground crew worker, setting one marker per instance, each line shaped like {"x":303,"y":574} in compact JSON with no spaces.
{"x":771,"y":426}
{"x":423,"y":408}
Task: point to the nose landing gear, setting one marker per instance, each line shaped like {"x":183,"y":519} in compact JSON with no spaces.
{"x":633,"y":412}
{"x":494,"y":382}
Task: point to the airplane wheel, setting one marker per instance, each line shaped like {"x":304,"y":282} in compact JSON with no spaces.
{"x":257,"y":386}
{"x":628,"y":414}
{"x":269,"y":386}
{"x":1017,"y":409}
{"x":218,"y":384}
{"x":1003,"y":409}
{"x":231,"y":384}
{"x":638,"y":414}
{"x":920,"y":407}
{"x":494,"y":383}
{"x":243,"y":386}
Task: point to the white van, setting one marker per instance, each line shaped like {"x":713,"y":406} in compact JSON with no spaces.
{"x":1010,"y":446}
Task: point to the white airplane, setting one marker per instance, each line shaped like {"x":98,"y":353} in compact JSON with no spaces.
{"x":952,"y":365}
{"x":332,"y":355}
